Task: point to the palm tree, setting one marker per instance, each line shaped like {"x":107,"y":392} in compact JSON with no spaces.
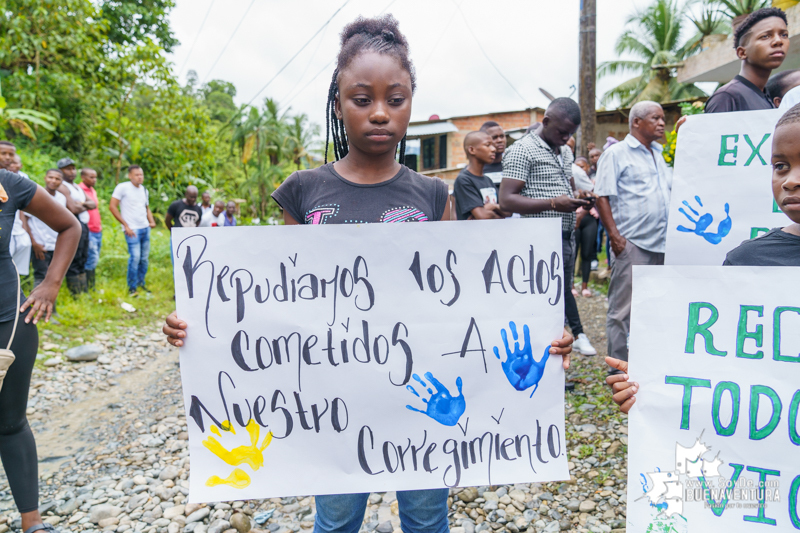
{"x":301,"y":136}
{"x":654,"y":37}
{"x":21,"y":119}
{"x":271,"y":145}
{"x":739,"y":8}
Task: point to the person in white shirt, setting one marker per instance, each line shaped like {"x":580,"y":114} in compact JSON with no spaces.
{"x":633,"y":185}
{"x":130,"y":205}
{"x":215,"y":218}
{"x":42,"y":237}
{"x":79,"y":205}
{"x":205,"y":205}
{"x":20,"y":245}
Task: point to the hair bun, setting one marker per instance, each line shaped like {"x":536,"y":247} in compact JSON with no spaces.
{"x":388,"y":36}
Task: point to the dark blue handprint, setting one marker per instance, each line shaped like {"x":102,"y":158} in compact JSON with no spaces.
{"x":704,"y":221}
{"x":521,"y":369}
{"x":442,"y":406}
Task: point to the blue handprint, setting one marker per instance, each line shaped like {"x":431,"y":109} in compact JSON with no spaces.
{"x":442,"y":406}
{"x":521,"y":369}
{"x":702,"y":223}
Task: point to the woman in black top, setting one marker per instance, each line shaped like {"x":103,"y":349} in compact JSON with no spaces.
{"x":17,"y":446}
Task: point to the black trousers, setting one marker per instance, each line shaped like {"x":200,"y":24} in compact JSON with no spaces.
{"x":78,"y":265}
{"x":17,"y":446}
{"x":586,"y":240}
{"x":573,"y":317}
{"x":40,"y":267}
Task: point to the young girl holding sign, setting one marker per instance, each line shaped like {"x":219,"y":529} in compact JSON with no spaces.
{"x":779,"y":247}
{"x":367,"y":114}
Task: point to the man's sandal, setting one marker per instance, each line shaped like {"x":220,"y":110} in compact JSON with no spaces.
{"x":42,"y":527}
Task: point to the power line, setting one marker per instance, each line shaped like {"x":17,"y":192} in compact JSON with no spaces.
{"x":310,"y":82}
{"x":441,"y":36}
{"x":298,"y":52}
{"x":489,"y":59}
{"x":191,"y":49}
{"x":229,"y":41}
{"x":310,"y":61}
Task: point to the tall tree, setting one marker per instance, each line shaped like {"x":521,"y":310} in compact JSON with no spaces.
{"x":271,"y":145}
{"x":654,"y":36}
{"x":131,"y":22}
{"x":218,"y":96}
{"x":52,"y":50}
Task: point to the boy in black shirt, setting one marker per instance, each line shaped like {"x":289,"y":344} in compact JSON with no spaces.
{"x":475,"y":193}
{"x":779,"y":247}
{"x":494,"y":169}
{"x":761,"y":42}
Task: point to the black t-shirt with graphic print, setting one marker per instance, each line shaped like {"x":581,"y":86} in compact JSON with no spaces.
{"x":471,"y":191}
{"x":322,"y":196}
{"x":20,"y":192}
{"x":185,"y":215}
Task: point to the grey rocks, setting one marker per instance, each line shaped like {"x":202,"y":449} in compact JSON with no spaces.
{"x":87,"y":352}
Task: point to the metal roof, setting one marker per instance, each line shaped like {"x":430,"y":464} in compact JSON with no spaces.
{"x":430,"y":128}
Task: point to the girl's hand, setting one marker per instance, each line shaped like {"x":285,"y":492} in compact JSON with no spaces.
{"x":624,"y":390}
{"x":174,"y":329}
{"x":41,"y":301}
{"x":563,"y":347}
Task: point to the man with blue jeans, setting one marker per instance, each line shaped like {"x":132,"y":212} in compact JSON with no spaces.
{"x":88,"y":181}
{"x":130,"y":204}
{"x":421,"y":511}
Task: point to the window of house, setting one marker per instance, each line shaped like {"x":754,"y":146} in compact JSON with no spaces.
{"x":428,"y":155}
{"x":443,"y":151}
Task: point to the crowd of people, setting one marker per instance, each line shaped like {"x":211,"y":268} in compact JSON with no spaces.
{"x":624,"y":190}
{"x":32,"y":242}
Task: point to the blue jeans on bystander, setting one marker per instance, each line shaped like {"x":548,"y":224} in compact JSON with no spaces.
{"x":139,"y":250}
{"x":95,"y":243}
{"x":421,"y":511}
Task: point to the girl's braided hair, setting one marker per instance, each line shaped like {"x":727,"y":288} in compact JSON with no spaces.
{"x":380,"y":34}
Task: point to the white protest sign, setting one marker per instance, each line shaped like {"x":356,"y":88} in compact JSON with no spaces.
{"x":357,"y":358}
{"x":722,"y":186}
{"x":713,"y":435}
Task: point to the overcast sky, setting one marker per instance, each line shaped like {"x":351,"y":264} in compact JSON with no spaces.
{"x":534,"y":43}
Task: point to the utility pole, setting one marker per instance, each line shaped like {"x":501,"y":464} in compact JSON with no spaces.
{"x":587,"y":74}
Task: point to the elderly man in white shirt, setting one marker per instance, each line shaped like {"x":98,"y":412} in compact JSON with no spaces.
{"x":633,"y":185}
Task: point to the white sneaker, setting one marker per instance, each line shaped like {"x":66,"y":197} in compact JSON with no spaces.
{"x":583,"y":346}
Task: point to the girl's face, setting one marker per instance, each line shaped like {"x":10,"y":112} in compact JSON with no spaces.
{"x":786,"y":169}
{"x":375,"y":102}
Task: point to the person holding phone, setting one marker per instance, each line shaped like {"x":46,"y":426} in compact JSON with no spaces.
{"x":538,"y":182}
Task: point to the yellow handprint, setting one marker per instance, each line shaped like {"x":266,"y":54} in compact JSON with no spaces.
{"x":238,"y":480}
{"x":252,"y":455}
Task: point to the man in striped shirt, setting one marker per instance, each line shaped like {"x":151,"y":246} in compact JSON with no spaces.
{"x":633,"y":186}
{"x":537,"y":182}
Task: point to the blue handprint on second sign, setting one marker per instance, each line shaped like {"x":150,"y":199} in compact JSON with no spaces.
{"x":521,"y":369}
{"x":442,"y":406}
{"x":704,"y":221}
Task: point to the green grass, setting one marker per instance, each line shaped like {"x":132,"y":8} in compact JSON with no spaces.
{"x":99,"y":311}
{"x":585,"y":451}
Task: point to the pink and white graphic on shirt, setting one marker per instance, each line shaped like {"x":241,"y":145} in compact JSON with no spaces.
{"x":404,"y":214}
{"x":318,"y":215}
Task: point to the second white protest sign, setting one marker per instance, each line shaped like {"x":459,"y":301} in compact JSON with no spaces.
{"x":721,"y":187}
